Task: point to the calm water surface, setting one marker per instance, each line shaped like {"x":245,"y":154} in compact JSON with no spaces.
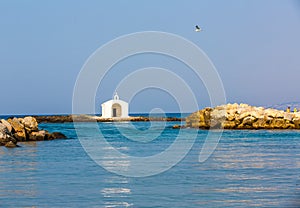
{"x":248,"y":169}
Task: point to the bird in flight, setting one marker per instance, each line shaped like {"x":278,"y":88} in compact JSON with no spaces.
{"x":198,"y":29}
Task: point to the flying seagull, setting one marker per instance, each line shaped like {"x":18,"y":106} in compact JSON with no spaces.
{"x":198,"y":29}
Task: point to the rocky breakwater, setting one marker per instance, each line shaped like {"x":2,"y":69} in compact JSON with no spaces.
{"x":243,"y":116}
{"x":14,"y":130}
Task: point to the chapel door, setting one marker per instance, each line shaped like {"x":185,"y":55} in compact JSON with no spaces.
{"x":114,"y":112}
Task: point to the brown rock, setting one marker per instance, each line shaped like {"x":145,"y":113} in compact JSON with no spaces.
{"x":296,"y":122}
{"x":57,"y":135}
{"x":10,"y":144}
{"x":176,"y":127}
{"x":249,"y":120}
{"x":18,"y":129}
{"x":229,"y":125}
{"x":20,"y":136}
{"x":278,"y":123}
{"x":16,"y":125}
{"x":37,"y":136}
{"x":261,"y":123}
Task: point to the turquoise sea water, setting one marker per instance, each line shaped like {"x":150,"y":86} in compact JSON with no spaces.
{"x":248,"y":169}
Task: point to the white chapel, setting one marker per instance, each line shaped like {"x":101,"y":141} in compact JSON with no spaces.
{"x":115,"y":108}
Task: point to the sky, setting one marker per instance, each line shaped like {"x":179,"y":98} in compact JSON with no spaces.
{"x":254,"y":45}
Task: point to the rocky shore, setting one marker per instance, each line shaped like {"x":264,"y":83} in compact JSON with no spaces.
{"x":243,"y":116}
{"x":90,"y":118}
{"x":14,"y":130}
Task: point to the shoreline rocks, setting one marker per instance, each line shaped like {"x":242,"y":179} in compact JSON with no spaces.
{"x":242,"y":116}
{"x":14,"y":130}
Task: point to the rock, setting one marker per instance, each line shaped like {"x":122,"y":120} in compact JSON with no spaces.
{"x":219,"y":115}
{"x":296,"y":122}
{"x":20,"y":136}
{"x":288,"y":116}
{"x":23,"y":129}
{"x":261,"y":123}
{"x":278,"y":123}
{"x":249,"y":120}
{"x":176,"y":127}
{"x":5,"y":136}
{"x":7,"y":124}
{"x":30,"y":124}
{"x":271,"y":113}
{"x":16,"y":125}
{"x":11,"y":144}
{"x":229,"y":125}
{"x":18,"y":129}
{"x":231,"y":114}
{"x":37,"y":136}
{"x":58,"y":135}
{"x":243,"y":116}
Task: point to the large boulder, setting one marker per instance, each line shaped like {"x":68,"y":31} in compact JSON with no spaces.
{"x":18,"y":129}
{"x":7,"y":124}
{"x":30,"y":124}
{"x":37,"y":135}
{"x":3,"y":135}
{"x":6,"y":136}
{"x":199,"y":119}
{"x":248,"y":121}
{"x":16,"y":125}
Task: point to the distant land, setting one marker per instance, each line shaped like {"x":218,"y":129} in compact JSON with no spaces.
{"x":283,"y":106}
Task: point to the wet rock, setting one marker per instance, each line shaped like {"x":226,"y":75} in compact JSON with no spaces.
{"x":11,"y":144}
{"x":57,"y":135}
{"x":37,"y":136}
{"x":176,"y":127}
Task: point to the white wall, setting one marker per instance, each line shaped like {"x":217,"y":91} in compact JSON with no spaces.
{"x":107,"y":108}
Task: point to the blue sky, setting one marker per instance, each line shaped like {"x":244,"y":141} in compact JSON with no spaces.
{"x":254,"y":45}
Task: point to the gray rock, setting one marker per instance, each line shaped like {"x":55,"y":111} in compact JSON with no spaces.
{"x":7,"y":124}
{"x":5,"y":136}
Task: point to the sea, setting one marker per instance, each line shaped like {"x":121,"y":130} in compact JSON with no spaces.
{"x":248,"y":168}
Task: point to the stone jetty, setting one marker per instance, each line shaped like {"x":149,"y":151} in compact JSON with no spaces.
{"x":243,"y":116}
{"x":14,"y":130}
{"x":91,"y":118}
